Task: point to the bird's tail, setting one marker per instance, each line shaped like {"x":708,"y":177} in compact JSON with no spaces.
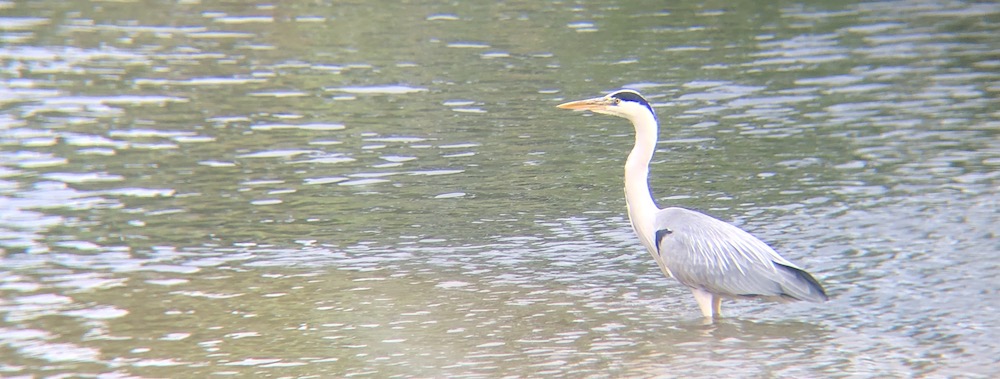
{"x":801,"y":285}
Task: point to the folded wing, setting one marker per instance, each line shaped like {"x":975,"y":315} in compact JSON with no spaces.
{"x":703,"y":252}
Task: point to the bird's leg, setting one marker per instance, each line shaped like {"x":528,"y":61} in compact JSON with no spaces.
{"x":717,"y":305}
{"x":705,"y":302}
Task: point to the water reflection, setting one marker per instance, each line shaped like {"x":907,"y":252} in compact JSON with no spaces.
{"x":384,"y":190}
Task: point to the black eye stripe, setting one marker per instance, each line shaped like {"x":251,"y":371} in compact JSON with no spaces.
{"x":629,"y":95}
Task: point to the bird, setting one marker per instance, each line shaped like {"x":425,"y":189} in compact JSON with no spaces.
{"x":714,"y":259}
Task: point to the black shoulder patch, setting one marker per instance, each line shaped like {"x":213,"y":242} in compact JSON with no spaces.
{"x":659,"y":236}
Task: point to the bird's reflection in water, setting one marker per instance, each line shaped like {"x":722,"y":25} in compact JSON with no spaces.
{"x":750,"y":330}
{"x":725,"y":346}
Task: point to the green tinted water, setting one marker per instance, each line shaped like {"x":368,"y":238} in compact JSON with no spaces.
{"x":305,"y":189}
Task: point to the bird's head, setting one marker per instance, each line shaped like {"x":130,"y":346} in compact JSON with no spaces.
{"x":622,"y":103}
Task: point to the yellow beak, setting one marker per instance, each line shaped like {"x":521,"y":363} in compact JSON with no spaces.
{"x":585,"y":105}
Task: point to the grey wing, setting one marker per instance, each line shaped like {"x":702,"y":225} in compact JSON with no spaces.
{"x":704,"y":252}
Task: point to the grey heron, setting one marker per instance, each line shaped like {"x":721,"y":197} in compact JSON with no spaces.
{"x":715,"y":259}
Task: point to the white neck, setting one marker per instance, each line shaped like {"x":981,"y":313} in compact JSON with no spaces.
{"x":641,"y":207}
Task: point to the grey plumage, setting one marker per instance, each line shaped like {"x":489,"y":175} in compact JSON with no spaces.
{"x":704,"y":252}
{"x":714,"y":259}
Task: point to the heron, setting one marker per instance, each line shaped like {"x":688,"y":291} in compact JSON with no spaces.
{"x":714,"y":259}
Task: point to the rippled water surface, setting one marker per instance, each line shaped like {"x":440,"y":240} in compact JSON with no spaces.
{"x":385,"y":189}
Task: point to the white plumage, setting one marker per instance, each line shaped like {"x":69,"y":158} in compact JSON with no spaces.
{"x":713,"y":258}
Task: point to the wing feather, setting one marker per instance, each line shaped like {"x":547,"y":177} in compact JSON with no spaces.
{"x":706,"y":253}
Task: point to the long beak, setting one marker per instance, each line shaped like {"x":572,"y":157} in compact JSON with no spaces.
{"x":585,"y":105}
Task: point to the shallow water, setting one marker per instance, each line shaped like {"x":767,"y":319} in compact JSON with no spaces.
{"x":369,"y":189}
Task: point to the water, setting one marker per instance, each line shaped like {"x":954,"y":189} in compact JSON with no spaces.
{"x":301,"y":189}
